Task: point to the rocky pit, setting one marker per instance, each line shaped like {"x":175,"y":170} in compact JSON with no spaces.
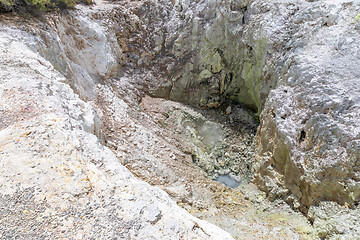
{"x":117,"y":119}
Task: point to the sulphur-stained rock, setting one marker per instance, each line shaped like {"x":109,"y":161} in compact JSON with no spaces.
{"x":57,"y":180}
{"x":332,"y":221}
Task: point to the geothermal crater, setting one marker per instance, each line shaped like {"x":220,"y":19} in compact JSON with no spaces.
{"x":116,"y":117}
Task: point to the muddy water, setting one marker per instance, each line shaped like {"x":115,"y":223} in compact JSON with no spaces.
{"x":228,"y":181}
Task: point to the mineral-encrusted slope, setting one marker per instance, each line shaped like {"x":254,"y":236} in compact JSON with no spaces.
{"x":296,"y":62}
{"x":57,"y":180}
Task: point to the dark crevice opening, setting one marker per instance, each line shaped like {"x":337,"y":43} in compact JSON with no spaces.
{"x":302,"y":136}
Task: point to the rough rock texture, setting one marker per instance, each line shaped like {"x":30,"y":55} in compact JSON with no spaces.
{"x":216,"y":54}
{"x":57,"y":180}
{"x":196,"y":52}
{"x":335,"y":222}
{"x":206,"y":53}
{"x":308,"y":140}
{"x":218,"y":147}
{"x":121,"y":117}
{"x":152,"y":141}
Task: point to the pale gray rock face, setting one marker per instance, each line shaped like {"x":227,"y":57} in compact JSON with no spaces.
{"x":308,"y":140}
{"x":210,"y":54}
{"x":193,"y":52}
{"x":57,"y":180}
{"x":68,"y":166}
{"x":68,"y":185}
{"x":217,"y":51}
{"x":81,"y":49}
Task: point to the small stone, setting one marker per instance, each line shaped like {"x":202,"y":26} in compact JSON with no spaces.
{"x":228,"y":110}
{"x":154,"y":214}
